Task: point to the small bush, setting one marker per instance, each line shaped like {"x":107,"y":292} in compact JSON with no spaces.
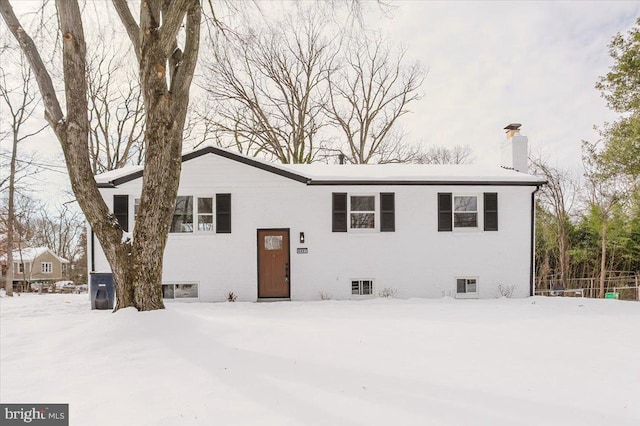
{"x":231,"y":297}
{"x":506,"y":290}
{"x":325,"y":295}
{"x":388,"y":292}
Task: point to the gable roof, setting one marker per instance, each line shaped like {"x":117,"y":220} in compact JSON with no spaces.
{"x":352,"y":174}
{"x":29,"y":254}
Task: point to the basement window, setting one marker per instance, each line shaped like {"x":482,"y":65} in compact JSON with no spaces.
{"x":362,"y":287}
{"x":180,"y":291}
{"x":467,"y":285}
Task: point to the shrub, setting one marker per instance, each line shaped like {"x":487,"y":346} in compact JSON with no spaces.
{"x":325,"y":295}
{"x":506,"y":290}
{"x":388,"y":292}
{"x":231,"y":297}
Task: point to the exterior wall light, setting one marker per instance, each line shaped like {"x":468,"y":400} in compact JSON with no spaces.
{"x":302,"y":238}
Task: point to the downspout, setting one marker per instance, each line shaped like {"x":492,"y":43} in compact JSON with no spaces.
{"x":533,"y":242}
{"x":93,"y":253}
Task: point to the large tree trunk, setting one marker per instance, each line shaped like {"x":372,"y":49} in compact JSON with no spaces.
{"x":137,"y":265}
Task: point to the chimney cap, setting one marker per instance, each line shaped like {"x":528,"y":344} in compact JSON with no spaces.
{"x":513,"y":126}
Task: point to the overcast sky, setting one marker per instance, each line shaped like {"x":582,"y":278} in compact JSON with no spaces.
{"x":494,"y":63}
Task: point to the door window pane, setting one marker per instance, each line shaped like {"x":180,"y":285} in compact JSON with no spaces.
{"x":273,"y":242}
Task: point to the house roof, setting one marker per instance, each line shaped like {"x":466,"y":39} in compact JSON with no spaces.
{"x":353,"y":174}
{"x":29,"y":254}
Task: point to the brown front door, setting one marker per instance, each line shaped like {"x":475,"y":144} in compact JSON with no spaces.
{"x":273,"y":263}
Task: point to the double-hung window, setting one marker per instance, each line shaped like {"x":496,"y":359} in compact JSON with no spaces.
{"x":205,"y":214}
{"x":183,"y":214}
{"x":46,"y":267}
{"x":465,"y":211}
{"x":357,"y":212}
{"x":362,"y":212}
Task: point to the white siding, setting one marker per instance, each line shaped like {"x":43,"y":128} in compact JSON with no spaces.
{"x":417,"y":260}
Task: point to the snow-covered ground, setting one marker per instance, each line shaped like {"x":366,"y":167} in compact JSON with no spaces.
{"x":535,"y":361}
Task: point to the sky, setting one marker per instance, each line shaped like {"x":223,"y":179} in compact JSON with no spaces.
{"x":489,"y":64}
{"x":494,"y":63}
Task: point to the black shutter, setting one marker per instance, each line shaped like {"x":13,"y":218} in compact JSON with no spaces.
{"x":490,"y":211}
{"x":121,"y":210}
{"x":387,"y":212}
{"x":223,"y":213}
{"x":339,"y":212}
{"x":445,"y":216}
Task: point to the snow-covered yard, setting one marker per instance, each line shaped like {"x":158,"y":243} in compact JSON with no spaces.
{"x":535,"y":361}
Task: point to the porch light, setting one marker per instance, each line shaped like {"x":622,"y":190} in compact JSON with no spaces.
{"x":302,"y":238}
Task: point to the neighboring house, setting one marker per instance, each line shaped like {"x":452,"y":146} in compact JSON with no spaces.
{"x":36,"y":265}
{"x":272,"y":231}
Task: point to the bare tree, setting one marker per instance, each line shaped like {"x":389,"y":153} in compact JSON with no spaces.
{"x":166,"y":71}
{"x":368,"y":95}
{"x":116,"y":112}
{"x":20,"y":100}
{"x":59,"y":230}
{"x":270,"y":89}
{"x":23,"y":226}
{"x":557,"y":197}
{"x":457,"y":154}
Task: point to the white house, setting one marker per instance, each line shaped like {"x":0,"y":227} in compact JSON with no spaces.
{"x":273,"y":231}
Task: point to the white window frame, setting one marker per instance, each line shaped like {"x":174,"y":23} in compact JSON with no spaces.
{"x":375,"y":211}
{"x":360,"y":287}
{"x":467,"y":294}
{"x":182,"y":299}
{"x":136,"y":207}
{"x":197,"y":214}
{"x":20,"y":267}
{"x":477,"y":212}
{"x":46,"y":270}
{"x":193,"y":220}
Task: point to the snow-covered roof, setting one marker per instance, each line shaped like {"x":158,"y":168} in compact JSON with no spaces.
{"x":408,"y":172}
{"x":352,"y":174}
{"x":29,"y":254}
{"x":112,"y":175}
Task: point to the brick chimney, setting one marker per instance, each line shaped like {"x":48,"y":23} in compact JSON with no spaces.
{"x":514,"y":150}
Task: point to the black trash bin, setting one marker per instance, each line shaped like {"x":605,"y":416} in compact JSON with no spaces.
{"x":101,"y":290}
